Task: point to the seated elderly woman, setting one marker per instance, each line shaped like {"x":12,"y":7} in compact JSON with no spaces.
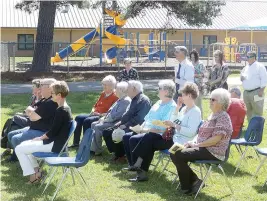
{"x":184,"y":124}
{"x":106,"y":100}
{"x":211,"y":143}
{"x":53,"y":140}
{"x":113,"y":116}
{"x":161,"y":111}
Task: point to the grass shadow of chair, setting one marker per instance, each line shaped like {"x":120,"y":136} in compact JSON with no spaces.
{"x":260,"y":189}
{"x":15,"y":184}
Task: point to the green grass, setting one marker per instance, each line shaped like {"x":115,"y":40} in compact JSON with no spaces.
{"x":106,"y":181}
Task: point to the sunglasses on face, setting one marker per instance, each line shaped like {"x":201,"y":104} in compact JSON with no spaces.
{"x":249,"y":57}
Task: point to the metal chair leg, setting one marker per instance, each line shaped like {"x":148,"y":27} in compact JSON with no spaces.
{"x":72,"y":175}
{"x":201,"y":172}
{"x":157,"y":164}
{"x":203,"y":182}
{"x":46,"y":176}
{"x":240,"y":160}
{"x":175,"y":179}
{"x":265,"y":183}
{"x":60,"y":183}
{"x":226,"y":180}
{"x":260,"y":165}
{"x":50,"y":179}
{"x":255,"y":149}
{"x":165,"y":167}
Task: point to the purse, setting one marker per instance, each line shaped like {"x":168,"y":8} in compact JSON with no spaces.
{"x":170,"y":131}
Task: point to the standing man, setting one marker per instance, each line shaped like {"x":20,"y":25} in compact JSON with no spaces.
{"x":185,"y":70}
{"x":254,"y":80}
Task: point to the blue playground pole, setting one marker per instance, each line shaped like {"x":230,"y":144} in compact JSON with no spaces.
{"x":137,"y":44}
{"x":190,"y":41}
{"x":162,"y":52}
{"x":126,"y":37}
{"x":100,"y":43}
{"x":151,"y":36}
{"x":185,"y":39}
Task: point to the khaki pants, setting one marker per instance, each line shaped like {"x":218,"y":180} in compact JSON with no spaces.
{"x":253,"y":108}
{"x":199,"y":102}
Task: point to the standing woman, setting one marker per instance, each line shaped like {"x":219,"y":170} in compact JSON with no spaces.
{"x":218,"y":73}
{"x":200,"y":70}
{"x":129,"y":73}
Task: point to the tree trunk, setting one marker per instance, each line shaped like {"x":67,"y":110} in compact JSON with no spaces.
{"x":44,"y":38}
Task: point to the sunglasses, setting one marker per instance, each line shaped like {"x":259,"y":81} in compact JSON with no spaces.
{"x":212,"y":99}
{"x":249,"y":57}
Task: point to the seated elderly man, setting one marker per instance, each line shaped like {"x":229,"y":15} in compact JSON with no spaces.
{"x":113,"y":116}
{"x":106,"y":100}
{"x":140,"y":148}
{"x":41,"y":117}
{"x":138,"y":109}
{"x":237,"y":111}
{"x":211,"y":143}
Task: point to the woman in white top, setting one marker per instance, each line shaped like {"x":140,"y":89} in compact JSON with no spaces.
{"x":186,"y":121}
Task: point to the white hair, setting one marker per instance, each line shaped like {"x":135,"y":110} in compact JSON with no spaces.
{"x":48,"y":81}
{"x":182,"y":49}
{"x":137,"y":85}
{"x":110,"y":79}
{"x":222,"y":96}
{"x":169,"y":86}
{"x":122,"y":87}
{"x":236,"y":90}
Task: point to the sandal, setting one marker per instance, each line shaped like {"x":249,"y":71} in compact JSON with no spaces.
{"x":37,"y":179}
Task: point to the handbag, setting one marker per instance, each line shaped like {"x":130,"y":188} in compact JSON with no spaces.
{"x":170,"y":131}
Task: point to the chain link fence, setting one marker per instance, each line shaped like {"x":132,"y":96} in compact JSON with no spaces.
{"x":146,"y":56}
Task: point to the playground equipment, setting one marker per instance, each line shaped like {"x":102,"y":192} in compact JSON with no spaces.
{"x":246,"y":47}
{"x":110,"y":32}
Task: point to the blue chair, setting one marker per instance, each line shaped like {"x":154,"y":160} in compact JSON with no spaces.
{"x":212,"y":163}
{"x":64,"y":150}
{"x":261,"y":151}
{"x":63,"y":153}
{"x":253,"y":137}
{"x":72,"y":163}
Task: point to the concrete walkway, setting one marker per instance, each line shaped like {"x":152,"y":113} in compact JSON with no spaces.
{"x":90,"y":86}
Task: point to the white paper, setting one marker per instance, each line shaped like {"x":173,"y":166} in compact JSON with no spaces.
{"x":258,"y":98}
{"x":136,"y":128}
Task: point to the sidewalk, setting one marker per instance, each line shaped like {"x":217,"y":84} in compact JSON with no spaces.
{"x":88,"y":86}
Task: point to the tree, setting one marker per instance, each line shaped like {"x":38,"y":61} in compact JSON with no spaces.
{"x":45,"y":29}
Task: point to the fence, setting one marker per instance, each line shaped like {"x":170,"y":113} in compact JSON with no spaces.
{"x":152,"y":56}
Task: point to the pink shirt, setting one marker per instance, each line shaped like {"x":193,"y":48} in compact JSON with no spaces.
{"x":217,"y":124}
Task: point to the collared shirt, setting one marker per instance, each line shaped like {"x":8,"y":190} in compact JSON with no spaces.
{"x":137,"y":111}
{"x":186,"y":73}
{"x":126,"y":76}
{"x":190,"y":121}
{"x":159,"y":111}
{"x":255,"y":76}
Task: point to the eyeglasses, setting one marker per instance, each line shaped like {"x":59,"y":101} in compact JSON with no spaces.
{"x":212,"y":100}
{"x":249,"y":57}
{"x":160,"y":88}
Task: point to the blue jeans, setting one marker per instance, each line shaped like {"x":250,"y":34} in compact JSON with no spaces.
{"x":20,"y":135}
{"x":83,"y":121}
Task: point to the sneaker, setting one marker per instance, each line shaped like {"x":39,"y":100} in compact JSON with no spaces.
{"x":195,"y":187}
{"x":141,"y":176}
{"x":131,"y":169}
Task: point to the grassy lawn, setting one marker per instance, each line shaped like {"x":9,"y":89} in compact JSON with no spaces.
{"x":108,"y":183}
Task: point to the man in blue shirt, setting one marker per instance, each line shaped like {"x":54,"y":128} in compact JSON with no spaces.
{"x":135,"y":115}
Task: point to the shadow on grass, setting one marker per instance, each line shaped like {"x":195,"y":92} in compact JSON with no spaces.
{"x":260,"y":188}
{"x":155,"y":185}
{"x":15,"y":183}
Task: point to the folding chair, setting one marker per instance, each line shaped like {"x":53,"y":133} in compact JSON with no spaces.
{"x":253,"y":137}
{"x":261,"y":151}
{"x":71,"y":163}
{"x":212,"y":163}
{"x":63,"y":153}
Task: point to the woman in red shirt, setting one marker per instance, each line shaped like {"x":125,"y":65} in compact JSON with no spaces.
{"x":105,"y":101}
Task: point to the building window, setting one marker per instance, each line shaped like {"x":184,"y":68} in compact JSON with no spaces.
{"x":209,"y":39}
{"x":25,"y":41}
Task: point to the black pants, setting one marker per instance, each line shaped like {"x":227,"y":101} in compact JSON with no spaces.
{"x":116,"y":148}
{"x":150,"y":143}
{"x":181,"y":158}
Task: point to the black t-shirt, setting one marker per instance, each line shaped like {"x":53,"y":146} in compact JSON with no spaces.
{"x":46,"y":110}
{"x":59,"y":132}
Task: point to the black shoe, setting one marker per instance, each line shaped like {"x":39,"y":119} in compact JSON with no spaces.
{"x":195,"y":188}
{"x":141,"y":176}
{"x":131,"y":169}
{"x":73,"y":146}
{"x":6,"y":153}
{"x":11,"y":159}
